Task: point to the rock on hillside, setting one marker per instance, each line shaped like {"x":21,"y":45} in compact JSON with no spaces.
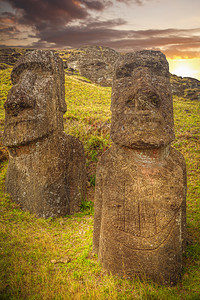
{"x":9,"y":56}
{"x":185,"y":87}
{"x":95,"y":63}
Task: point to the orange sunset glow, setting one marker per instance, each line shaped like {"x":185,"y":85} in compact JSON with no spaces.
{"x":185,"y":67}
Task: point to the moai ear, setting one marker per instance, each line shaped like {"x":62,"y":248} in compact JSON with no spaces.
{"x":63,"y":106}
{"x":57,"y":64}
{"x":62,"y":103}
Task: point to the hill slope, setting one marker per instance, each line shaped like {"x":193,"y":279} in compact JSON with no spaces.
{"x":97,"y":64}
{"x":52,"y":259}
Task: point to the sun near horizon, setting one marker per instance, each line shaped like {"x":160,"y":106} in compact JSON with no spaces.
{"x":185,"y":67}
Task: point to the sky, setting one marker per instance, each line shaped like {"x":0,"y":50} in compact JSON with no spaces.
{"x":171,"y":26}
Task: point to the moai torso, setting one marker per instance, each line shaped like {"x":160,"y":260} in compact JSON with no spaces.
{"x":139,"y":225}
{"x":46,"y":171}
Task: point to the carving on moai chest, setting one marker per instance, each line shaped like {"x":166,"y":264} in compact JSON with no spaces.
{"x":46,"y":172}
{"x":139,"y":223}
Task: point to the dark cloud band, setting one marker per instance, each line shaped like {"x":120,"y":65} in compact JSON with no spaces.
{"x":51,"y":25}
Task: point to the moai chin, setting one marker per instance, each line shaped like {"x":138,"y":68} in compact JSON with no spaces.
{"x":46,"y":171}
{"x":140,"y":197}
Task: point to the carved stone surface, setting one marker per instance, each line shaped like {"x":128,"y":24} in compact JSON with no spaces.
{"x":95,"y":63}
{"x":140,"y":197}
{"x":142,"y":110}
{"x":46,"y":172}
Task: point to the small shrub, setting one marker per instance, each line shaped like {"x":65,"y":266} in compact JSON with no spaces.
{"x":93,"y":180}
{"x":87,"y":207}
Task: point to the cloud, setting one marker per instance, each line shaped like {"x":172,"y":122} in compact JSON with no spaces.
{"x":137,"y":2}
{"x":172,"y":42}
{"x":72,"y":23}
{"x":96,"y":5}
{"x":47,"y":13}
{"x":38,"y":13}
{"x":39,"y":16}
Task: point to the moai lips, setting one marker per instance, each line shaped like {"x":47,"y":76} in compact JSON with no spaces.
{"x":140,"y":217}
{"x":46,"y":172}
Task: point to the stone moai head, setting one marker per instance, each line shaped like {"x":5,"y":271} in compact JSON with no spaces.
{"x":36,"y":102}
{"x":142,"y":108}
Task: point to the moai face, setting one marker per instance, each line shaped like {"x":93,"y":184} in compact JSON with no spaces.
{"x":142,"y":108}
{"x":35,"y":104}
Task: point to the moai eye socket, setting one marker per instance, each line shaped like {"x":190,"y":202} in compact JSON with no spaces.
{"x":130,"y":102}
{"x":123,"y":72}
{"x":154,"y":99}
{"x":142,"y":103}
{"x":148,"y":101}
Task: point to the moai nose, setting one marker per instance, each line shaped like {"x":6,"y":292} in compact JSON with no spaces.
{"x":148,"y":101}
{"x":18,"y":100}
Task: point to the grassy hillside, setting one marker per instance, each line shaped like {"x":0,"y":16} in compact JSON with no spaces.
{"x":52,"y":259}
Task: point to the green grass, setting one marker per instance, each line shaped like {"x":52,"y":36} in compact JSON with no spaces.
{"x":5,"y":85}
{"x":53,"y":259}
{"x":187,"y":125}
{"x":88,"y":114}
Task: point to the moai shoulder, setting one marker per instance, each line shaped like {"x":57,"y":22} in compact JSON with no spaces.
{"x":46,"y":172}
{"x":140,"y":198}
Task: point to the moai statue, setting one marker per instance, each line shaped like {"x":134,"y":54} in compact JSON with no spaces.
{"x":46,"y":171}
{"x":140,"y":197}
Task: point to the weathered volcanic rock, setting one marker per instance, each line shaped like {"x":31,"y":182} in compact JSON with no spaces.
{"x":186,"y":87}
{"x":95,"y":63}
{"x":9,"y":56}
{"x":140,"y":196}
{"x":142,"y":114}
{"x":46,"y":172}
